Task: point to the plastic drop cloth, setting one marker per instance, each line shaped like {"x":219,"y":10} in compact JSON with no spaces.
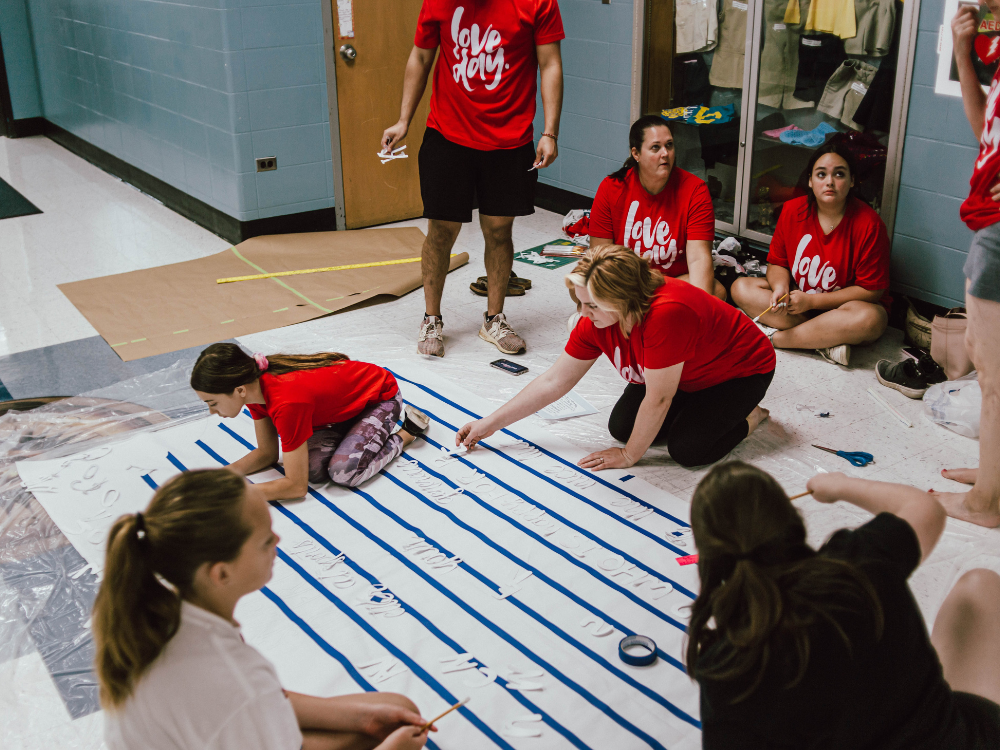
{"x":48,"y":693}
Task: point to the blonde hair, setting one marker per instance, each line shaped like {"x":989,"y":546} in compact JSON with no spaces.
{"x":618,"y":280}
{"x":195,"y":518}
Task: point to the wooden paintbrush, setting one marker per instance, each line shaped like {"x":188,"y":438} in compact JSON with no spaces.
{"x":770,"y":308}
{"x":428,"y":725}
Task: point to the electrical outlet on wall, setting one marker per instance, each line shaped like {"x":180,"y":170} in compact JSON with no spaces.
{"x":267,"y":163}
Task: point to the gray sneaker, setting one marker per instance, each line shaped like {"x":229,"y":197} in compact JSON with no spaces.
{"x":431,"y":338}
{"x":501,"y":335}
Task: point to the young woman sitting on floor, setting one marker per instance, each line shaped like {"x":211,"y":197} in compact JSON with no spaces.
{"x":658,"y":210}
{"x":696,"y":367}
{"x":334,"y":416}
{"x":828,"y":266}
{"x":796,"y":648}
{"x":173,"y":669}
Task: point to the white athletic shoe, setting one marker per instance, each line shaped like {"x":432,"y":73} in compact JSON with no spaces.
{"x":838,"y":355}
{"x":573,"y":320}
{"x":766,"y":330}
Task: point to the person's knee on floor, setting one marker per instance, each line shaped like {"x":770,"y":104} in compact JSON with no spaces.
{"x":868,"y":321}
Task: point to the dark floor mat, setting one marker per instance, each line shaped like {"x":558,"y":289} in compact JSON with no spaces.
{"x":12,"y":203}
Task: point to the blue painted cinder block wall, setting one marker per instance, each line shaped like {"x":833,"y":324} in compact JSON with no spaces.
{"x":19,"y":59}
{"x":192,"y":91}
{"x":597,"y":80}
{"x":930,"y":242}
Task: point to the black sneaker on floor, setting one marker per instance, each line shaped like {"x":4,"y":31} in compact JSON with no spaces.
{"x":930,"y":370}
{"x":904,"y":376}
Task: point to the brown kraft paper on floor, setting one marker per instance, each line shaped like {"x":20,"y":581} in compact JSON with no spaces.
{"x":168,"y":308}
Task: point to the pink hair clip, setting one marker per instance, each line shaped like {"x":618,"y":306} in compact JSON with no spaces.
{"x":261,"y":361}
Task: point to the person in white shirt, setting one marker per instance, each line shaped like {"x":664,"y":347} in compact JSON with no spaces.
{"x":174,"y":671}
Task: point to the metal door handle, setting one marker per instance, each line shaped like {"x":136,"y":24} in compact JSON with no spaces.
{"x":348,"y":52}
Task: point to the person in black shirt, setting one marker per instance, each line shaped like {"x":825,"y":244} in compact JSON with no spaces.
{"x":804,"y":649}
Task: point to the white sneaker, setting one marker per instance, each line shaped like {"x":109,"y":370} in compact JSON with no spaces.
{"x":573,"y":320}
{"x":838,"y":355}
{"x":766,"y":330}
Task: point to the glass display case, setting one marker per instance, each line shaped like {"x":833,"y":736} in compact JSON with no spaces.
{"x":755,"y":87}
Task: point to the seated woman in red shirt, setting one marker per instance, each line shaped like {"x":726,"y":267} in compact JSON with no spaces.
{"x":696,"y":367}
{"x":658,"y":210}
{"x":333,"y":415}
{"x":830,"y":256}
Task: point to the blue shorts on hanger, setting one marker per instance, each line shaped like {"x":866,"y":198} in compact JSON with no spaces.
{"x":811,"y":138}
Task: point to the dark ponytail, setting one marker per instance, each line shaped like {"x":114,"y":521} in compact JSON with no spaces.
{"x":195,"y":518}
{"x":636,"y":137}
{"x":762,"y":587}
{"x":222,"y":368}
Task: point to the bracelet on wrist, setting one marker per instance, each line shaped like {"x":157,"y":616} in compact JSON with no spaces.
{"x":553,"y":137}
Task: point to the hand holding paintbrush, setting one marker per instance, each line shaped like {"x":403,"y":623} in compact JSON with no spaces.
{"x":770,"y":308}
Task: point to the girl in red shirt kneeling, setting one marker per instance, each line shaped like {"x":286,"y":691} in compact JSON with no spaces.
{"x":696,"y":367}
{"x":334,"y":416}
{"x":828,"y":267}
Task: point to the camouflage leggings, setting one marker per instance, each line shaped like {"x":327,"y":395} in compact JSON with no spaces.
{"x":352,"y":452}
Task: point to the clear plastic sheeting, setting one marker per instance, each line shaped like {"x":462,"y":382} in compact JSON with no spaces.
{"x":48,"y":693}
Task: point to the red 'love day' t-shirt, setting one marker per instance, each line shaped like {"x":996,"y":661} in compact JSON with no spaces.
{"x":980,"y":210}
{"x":299,"y":401}
{"x":484,"y":81}
{"x":657,"y":226}
{"x":855,"y":253}
{"x":715,"y":341}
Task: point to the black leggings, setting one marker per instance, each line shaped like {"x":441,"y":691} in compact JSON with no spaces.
{"x":700,"y":427}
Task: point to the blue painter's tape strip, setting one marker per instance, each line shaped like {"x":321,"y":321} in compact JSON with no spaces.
{"x":485,"y":538}
{"x":419,"y":671}
{"x":626,"y":477}
{"x":549,"y":480}
{"x":561,"y":460}
{"x":149,"y":480}
{"x":323,"y":644}
{"x":238,"y":438}
{"x":443,"y":637}
{"x":562,"y":519}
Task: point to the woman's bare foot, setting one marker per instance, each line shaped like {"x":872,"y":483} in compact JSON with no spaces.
{"x":758,"y":415}
{"x":961,"y":505}
{"x":965,"y":476}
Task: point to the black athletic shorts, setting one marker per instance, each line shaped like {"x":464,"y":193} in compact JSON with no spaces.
{"x":455,"y":179}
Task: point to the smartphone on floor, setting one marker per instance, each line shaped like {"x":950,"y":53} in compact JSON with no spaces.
{"x":507,"y":366}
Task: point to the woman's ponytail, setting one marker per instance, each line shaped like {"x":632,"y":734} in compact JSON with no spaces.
{"x":763,"y":589}
{"x":150,"y":563}
{"x":222,"y":368}
{"x":134,"y":614}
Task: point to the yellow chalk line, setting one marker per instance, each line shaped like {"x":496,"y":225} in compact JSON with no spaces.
{"x":290,"y":273}
{"x":317,"y":270}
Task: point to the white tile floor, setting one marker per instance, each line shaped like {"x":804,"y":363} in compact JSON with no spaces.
{"x":95,"y":225}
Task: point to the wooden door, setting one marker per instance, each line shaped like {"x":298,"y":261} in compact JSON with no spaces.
{"x":369,"y":91}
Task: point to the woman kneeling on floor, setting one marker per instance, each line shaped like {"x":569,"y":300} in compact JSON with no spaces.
{"x":696,"y":367}
{"x":174,"y":671}
{"x":334,"y":416}
{"x":797,"y":648}
{"x":828,"y":266}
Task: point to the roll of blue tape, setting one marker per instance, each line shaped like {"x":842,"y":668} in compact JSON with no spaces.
{"x":637,"y":660}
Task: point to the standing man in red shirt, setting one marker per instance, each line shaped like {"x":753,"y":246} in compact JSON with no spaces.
{"x":478,"y":143}
{"x":981,"y":212}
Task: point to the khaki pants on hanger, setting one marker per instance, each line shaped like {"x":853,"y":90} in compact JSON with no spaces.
{"x":779,"y":60}
{"x":727,"y":64}
{"x":845,"y":90}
